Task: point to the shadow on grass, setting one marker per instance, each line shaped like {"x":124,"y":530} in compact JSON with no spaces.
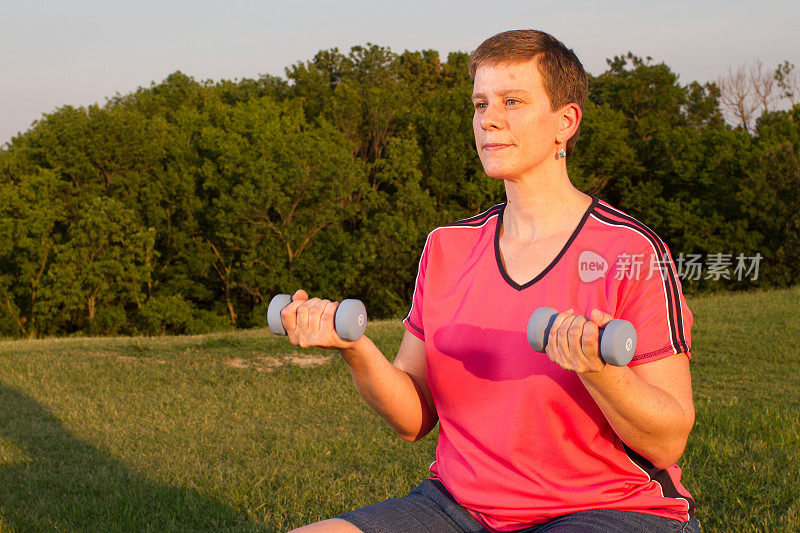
{"x":51,"y":480}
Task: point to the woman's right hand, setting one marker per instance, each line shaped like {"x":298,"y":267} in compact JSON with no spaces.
{"x":309,"y":323}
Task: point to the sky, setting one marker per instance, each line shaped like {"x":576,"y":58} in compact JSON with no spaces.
{"x":55,"y":53}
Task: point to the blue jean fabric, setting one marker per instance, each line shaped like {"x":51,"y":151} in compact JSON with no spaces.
{"x":430,"y":508}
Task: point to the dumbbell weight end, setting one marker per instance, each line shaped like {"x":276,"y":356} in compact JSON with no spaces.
{"x":276,"y":305}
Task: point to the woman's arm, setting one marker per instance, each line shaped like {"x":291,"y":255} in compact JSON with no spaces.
{"x":397,"y":391}
{"x":649,"y":406}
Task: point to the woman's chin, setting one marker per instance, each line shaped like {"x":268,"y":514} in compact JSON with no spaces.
{"x":499,"y":174}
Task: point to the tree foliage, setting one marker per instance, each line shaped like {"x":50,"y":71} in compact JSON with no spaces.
{"x":184,"y":206}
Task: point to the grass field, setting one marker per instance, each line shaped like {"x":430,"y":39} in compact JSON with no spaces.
{"x":240,"y":432}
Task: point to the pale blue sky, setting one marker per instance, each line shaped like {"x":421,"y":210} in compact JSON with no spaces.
{"x":54,"y":52}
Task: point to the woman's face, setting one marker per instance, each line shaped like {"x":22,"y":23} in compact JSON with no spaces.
{"x":515,"y":127}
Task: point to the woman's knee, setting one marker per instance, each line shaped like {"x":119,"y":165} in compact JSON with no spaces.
{"x":334,"y":525}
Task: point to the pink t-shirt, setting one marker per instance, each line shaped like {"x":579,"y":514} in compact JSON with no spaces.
{"x":521,"y":441}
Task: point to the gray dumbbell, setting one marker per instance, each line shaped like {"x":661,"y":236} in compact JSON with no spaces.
{"x":617,"y":338}
{"x":350,"y":319}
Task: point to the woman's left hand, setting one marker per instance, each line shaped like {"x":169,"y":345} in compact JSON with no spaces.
{"x":574,"y":344}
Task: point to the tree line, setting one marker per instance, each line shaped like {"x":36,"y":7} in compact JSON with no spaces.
{"x":184,"y":206}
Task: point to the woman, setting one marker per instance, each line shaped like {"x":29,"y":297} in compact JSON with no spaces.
{"x":529,"y":441}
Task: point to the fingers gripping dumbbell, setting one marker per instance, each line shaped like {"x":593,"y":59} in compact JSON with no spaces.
{"x":617,"y":338}
{"x":350,"y":319}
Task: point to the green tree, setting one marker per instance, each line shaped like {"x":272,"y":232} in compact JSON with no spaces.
{"x":275,"y":188}
{"x":31,"y":211}
{"x":101,"y":266}
{"x":395,"y":223}
{"x":770,"y":195}
{"x":604,"y":157}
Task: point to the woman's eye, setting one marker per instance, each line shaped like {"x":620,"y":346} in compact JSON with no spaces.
{"x":511,"y":102}
{"x":480,"y":105}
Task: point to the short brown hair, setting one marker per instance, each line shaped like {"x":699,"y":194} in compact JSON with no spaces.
{"x":563,"y":76}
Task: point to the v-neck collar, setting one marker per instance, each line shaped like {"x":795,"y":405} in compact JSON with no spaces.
{"x":552,"y":264}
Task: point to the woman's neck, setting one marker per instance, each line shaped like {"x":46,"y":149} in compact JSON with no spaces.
{"x":538,"y":209}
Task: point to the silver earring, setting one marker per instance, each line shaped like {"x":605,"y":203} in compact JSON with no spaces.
{"x":562,"y":154}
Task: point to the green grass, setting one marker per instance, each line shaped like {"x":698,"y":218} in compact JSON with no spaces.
{"x":743,"y":458}
{"x":228,"y":431}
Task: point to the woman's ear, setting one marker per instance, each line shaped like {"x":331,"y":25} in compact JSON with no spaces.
{"x":571,"y":116}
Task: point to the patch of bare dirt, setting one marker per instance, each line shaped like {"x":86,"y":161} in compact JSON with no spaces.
{"x":307,"y":361}
{"x":142,"y":359}
{"x":270,"y":363}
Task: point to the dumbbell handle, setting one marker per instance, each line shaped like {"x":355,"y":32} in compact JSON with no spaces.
{"x":350,"y":319}
{"x":617,"y":339}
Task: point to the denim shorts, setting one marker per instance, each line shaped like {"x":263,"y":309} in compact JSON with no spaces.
{"x":429,"y":507}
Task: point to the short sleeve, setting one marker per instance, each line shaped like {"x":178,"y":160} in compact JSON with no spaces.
{"x":650,"y":296}
{"x":413,"y":321}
